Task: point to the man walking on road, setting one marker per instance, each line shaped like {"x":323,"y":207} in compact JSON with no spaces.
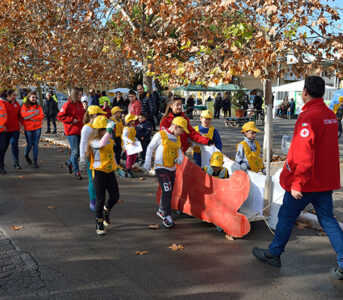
{"x":310,"y":174}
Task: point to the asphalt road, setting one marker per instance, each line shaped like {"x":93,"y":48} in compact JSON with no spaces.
{"x":72,"y":262}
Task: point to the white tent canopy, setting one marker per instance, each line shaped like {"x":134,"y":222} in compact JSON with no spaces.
{"x":294,"y":90}
{"x":122,"y":90}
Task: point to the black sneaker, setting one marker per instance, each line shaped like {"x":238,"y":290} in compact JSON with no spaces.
{"x":336,"y":273}
{"x":160,"y":213}
{"x":78,"y":176}
{"x":16,"y":165}
{"x":35,"y":165}
{"x":28,"y":159}
{"x":168,"y":222}
{"x":107,"y":217}
{"x":69,"y":167}
{"x":48,"y":131}
{"x":2,"y":170}
{"x":100,"y":227}
{"x":264,"y":256}
{"x":54,"y":132}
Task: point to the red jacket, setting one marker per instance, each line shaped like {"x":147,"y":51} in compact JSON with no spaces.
{"x":3,"y":115}
{"x":108,"y":111}
{"x":68,"y":112}
{"x":312,"y":163}
{"x":14,"y":116}
{"x":32,"y":116}
{"x":135,"y":107}
{"x":193,"y":135}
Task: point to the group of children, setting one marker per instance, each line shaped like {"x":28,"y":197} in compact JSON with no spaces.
{"x":103,"y":139}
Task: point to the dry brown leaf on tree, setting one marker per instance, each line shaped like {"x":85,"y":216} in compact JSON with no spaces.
{"x":154,"y":226}
{"x":16,"y":227}
{"x":138,"y":252}
{"x":176,"y":247}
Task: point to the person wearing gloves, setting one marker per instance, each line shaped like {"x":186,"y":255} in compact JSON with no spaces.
{"x":167,"y":147}
{"x":129,"y":137}
{"x":173,"y":110}
{"x":92,"y":112}
{"x":102,"y":163}
{"x":71,"y":114}
{"x":217,"y":170}
{"x":208,"y":131}
{"x":118,"y":131}
{"x":32,"y":115}
{"x":248,"y":154}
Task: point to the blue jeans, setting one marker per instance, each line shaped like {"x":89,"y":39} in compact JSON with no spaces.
{"x":291,"y":209}
{"x":197,"y":158}
{"x":32,"y":140}
{"x":91,"y":189}
{"x":74,"y":142}
{"x":13,"y":138}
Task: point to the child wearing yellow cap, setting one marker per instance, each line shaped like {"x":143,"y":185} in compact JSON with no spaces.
{"x":118,"y":126}
{"x":215,"y":168}
{"x":249,"y":150}
{"x":92,"y":112}
{"x":167,"y":147}
{"x":129,"y":137}
{"x":208,"y":131}
{"x":102,"y":163}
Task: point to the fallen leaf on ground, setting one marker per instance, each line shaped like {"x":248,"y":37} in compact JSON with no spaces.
{"x":21,"y":176}
{"x":229,"y":237}
{"x":16,"y":227}
{"x":150,"y":194}
{"x":141,"y":178}
{"x":301,"y":225}
{"x":175,"y":247}
{"x":51,"y":207}
{"x":41,"y":160}
{"x":154,"y":226}
{"x":60,"y":150}
{"x":120,"y":201}
{"x":322,"y":233}
{"x":141,"y":252}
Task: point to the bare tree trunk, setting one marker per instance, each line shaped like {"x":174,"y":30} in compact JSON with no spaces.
{"x":39,"y":91}
{"x":268,"y":142}
{"x":147,"y":80}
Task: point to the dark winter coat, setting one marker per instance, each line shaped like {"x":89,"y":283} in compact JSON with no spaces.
{"x":147,"y":105}
{"x":50,"y":107}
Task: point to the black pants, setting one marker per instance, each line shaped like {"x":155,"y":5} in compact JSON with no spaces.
{"x":216,"y":113}
{"x":51,"y":119}
{"x":145,"y":145}
{"x":117,"y":149}
{"x":102,"y":182}
{"x":225,"y":113}
{"x":166,"y":179}
{"x":2,"y":148}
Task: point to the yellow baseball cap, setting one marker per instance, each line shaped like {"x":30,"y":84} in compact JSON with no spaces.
{"x":94,"y":109}
{"x":340,"y":99}
{"x":100,"y":122}
{"x":217,"y":159}
{"x":115,"y":109}
{"x":182,"y":122}
{"x":250,"y":126}
{"x":206,"y":114}
{"x":130,"y":117}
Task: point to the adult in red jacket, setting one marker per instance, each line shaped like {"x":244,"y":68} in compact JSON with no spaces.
{"x":13,"y":126}
{"x":310,"y":174}
{"x":33,"y":116}
{"x":174,"y":109}
{"x":71,"y":114}
{"x":3,"y":120}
